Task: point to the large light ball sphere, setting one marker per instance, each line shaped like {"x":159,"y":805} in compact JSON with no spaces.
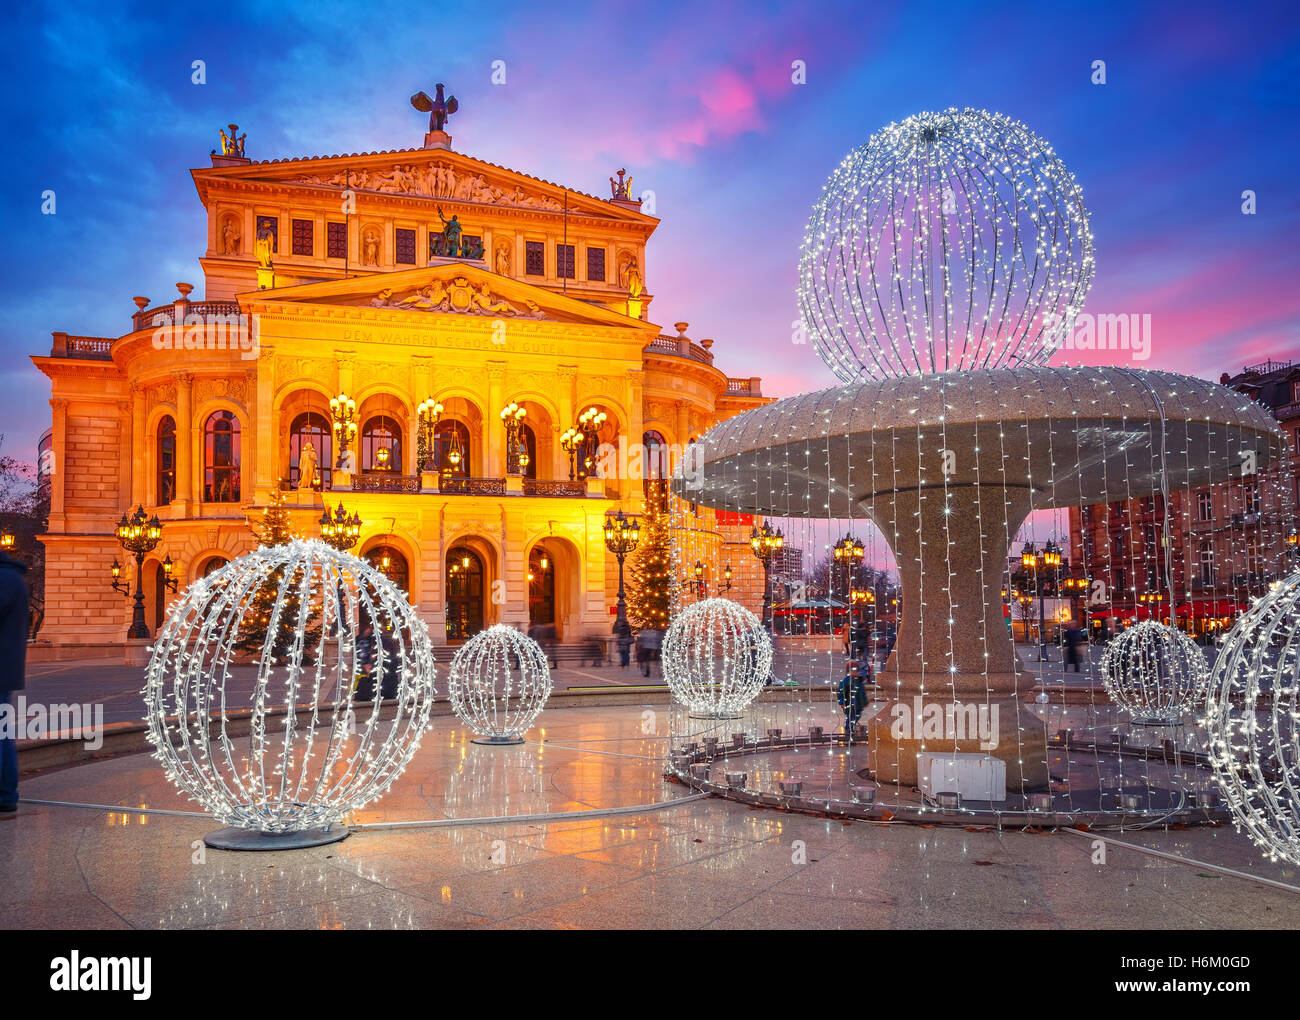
{"x":1252,"y":715}
{"x":1155,"y":672}
{"x":251,"y":688}
{"x":499,"y":682}
{"x":716,"y":657}
{"x":951,"y":240}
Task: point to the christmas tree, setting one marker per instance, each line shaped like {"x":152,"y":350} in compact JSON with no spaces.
{"x":650,"y":583}
{"x":275,"y":530}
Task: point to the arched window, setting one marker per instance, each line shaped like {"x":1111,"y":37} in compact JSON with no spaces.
{"x":221,"y":458}
{"x":451,"y":447}
{"x":529,"y":438}
{"x":381,"y":445}
{"x":311,"y":427}
{"x":654,"y":460}
{"x":391,"y":563}
{"x":213,"y":565}
{"x":166,"y":461}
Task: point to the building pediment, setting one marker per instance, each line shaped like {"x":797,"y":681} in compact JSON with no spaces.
{"x":438,"y":174}
{"x":448,"y":287}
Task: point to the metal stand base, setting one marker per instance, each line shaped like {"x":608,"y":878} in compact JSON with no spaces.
{"x":1153,"y":721}
{"x":715,"y":715}
{"x":251,"y":839}
{"x":497,"y":741}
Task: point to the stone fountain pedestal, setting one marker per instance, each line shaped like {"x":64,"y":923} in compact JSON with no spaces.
{"x":948,"y":467}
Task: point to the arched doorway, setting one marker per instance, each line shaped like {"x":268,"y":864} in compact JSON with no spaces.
{"x":465,"y":591}
{"x":541,"y":588}
{"x":392,"y":564}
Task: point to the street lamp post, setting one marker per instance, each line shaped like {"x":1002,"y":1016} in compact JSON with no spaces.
{"x":621,"y":536}
{"x":138,"y":534}
{"x":1049,"y":558}
{"x":849,"y":552}
{"x":766,"y":544}
{"x":726,"y":573}
{"x":340,"y":531}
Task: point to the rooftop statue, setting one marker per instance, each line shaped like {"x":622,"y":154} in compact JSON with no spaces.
{"x":438,"y":108}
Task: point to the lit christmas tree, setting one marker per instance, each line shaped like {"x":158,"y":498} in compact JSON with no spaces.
{"x":650,"y":588}
{"x":275,"y":530}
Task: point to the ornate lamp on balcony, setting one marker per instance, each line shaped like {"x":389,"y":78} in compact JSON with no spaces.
{"x":766,"y":544}
{"x":589,"y":423}
{"x":572,"y":440}
{"x":430,"y":413}
{"x":621,"y":536}
{"x":513,"y":415}
{"x":7,"y":540}
{"x":343,"y":412}
{"x":138,"y":534}
{"x":340,"y":531}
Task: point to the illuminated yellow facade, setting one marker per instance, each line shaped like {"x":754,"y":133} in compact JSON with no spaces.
{"x":335,"y":276}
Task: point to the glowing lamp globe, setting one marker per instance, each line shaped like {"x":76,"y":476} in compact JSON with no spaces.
{"x":284,"y":747}
{"x":499,"y":682}
{"x":1251,"y":717}
{"x":1155,"y":672}
{"x":716,"y":658}
{"x":952,"y":240}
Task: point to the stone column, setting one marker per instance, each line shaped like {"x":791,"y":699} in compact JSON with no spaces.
{"x":185,"y":441}
{"x":494,"y":465}
{"x":139,"y":449}
{"x":953,"y":657}
{"x":59,"y":447}
{"x":265,"y":425}
{"x":567,"y":394}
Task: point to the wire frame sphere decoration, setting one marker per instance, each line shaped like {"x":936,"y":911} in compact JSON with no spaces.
{"x":499,"y":682}
{"x":716,"y":657}
{"x":1155,"y":672}
{"x":952,"y":240}
{"x":283,"y":756}
{"x":1251,"y":717}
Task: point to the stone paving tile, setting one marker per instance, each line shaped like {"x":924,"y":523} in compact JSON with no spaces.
{"x":701,"y":863}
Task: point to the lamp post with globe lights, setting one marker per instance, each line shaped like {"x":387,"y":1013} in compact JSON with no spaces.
{"x":430,"y":413}
{"x":766,"y":543}
{"x":343,"y":415}
{"x":512,"y":415}
{"x":138,"y":534}
{"x":621,"y":536}
{"x":339,"y":531}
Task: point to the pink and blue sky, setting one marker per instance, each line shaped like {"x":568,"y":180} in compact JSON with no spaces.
{"x":1201,"y":103}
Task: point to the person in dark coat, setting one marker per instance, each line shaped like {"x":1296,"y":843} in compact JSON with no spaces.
{"x":13,"y":668}
{"x":852,"y":696}
{"x":623,"y":639}
{"x":1073,"y":639}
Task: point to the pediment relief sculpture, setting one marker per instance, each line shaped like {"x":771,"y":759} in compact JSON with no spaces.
{"x":460,"y":296}
{"x":435,"y":181}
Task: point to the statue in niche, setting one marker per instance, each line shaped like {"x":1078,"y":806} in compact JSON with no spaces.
{"x":230,"y":236}
{"x":503,"y":259}
{"x":307,"y":474}
{"x":371,"y":248}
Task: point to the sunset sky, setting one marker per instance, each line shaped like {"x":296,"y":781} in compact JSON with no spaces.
{"x":696,"y":101}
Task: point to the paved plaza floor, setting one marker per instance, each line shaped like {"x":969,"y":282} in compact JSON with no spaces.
{"x":469,"y":838}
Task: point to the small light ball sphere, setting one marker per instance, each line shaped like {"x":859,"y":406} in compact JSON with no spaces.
{"x":285,"y":743}
{"x":716,"y":657}
{"x":951,"y":240}
{"x":499,"y":682}
{"x":1155,"y":672}
{"x":1251,"y":718}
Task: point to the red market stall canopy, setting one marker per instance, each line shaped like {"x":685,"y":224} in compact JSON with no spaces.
{"x":1209,"y":609}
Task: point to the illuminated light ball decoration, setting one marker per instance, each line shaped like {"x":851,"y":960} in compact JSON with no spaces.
{"x":716,"y":657}
{"x":284,"y":756}
{"x":499,"y":683}
{"x":1155,"y":672}
{"x":1251,"y":716}
{"x":950,"y":240}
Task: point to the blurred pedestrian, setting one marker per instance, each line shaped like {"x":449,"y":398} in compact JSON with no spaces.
{"x":13,"y":670}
